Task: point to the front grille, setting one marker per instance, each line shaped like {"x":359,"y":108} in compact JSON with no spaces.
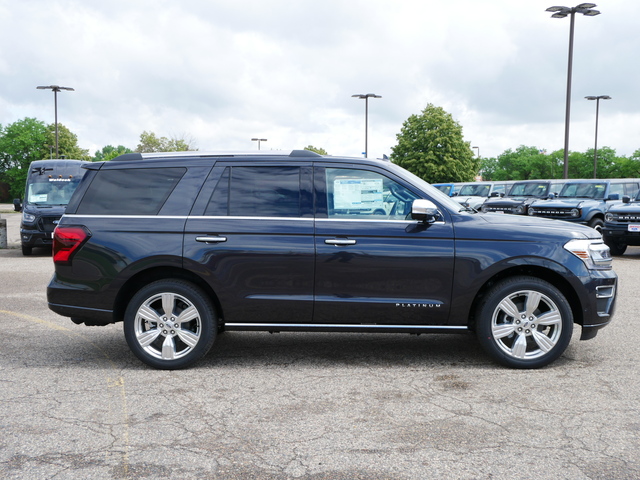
{"x":499,"y":209}
{"x":625,"y":218}
{"x":47,"y":223}
{"x":552,"y":213}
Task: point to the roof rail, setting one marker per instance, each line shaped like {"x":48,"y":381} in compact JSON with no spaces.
{"x":195,"y":153}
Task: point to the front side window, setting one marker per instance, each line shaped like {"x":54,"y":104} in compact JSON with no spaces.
{"x":262,"y":191}
{"x":132,"y":191}
{"x":355,"y":193}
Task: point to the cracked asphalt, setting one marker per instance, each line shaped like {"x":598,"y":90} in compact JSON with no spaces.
{"x":76,"y":404}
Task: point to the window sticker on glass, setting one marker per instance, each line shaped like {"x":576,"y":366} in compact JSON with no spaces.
{"x":357,"y":193}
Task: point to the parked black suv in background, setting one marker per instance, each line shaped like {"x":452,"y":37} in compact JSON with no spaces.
{"x":622,"y":225}
{"x":521,"y":195}
{"x":182,"y":246}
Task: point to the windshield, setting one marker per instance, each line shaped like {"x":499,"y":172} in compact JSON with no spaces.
{"x":529,"y":189}
{"x":475,"y":190}
{"x":55,"y":191}
{"x":446,"y":189}
{"x":583,"y":190}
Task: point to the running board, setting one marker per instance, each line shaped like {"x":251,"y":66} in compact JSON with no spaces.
{"x":337,"y":327}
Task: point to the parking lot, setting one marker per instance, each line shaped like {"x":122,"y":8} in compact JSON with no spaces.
{"x":320,"y":406}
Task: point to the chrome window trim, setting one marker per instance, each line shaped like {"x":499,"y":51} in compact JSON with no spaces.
{"x":221,"y":217}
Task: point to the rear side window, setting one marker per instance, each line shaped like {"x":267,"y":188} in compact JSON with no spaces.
{"x":135,"y":191}
{"x":257,"y":192}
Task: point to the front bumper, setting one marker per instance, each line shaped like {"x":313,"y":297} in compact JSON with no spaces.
{"x":599,"y":306}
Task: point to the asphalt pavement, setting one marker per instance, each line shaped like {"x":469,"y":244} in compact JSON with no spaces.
{"x":76,"y":404}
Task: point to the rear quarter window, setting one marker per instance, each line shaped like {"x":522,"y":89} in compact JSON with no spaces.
{"x":133,"y":191}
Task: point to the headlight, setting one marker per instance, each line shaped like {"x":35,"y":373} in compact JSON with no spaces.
{"x":532,"y":211}
{"x":575,"y":212}
{"x":484,"y":208}
{"x":609,"y":218}
{"x":594,"y":253}
{"x":520,"y":210}
{"x":28,"y":218}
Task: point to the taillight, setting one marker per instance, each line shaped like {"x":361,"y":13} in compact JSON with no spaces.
{"x":67,"y":240}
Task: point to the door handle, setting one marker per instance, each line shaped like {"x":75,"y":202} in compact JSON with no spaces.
{"x":339,"y":242}
{"x":211,"y":239}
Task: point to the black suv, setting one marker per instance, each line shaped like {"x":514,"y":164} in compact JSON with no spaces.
{"x":521,"y":195}
{"x":180,"y":247}
{"x":622,"y":225}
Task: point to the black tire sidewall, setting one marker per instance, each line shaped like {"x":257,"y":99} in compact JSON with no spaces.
{"x":505,"y":288}
{"x":200,"y":301}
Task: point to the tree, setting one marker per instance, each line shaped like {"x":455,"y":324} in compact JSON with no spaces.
{"x":21,"y":143}
{"x":110,"y":152}
{"x":526,"y":163}
{"x":431,"y":146}
{"x":320,"y":151}
{"x":67,"y":144}
{"x":150,"y":143}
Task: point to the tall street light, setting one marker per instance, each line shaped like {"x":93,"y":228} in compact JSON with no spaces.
{"x":366,"y":97}
{"x":56,"y":89}
{"x":258,"y":140}
{"x":562,"y":12}
{"x":595,"y":149}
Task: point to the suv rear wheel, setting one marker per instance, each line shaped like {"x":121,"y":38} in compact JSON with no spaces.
{"x":170,"y":324}
{"x":524,"y":322}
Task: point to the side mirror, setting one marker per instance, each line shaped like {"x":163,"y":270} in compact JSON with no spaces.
{"x":494,"y":194}
{"x":613,"y":196}
{"x":17,"y":205}
{"x":424,"y":211}
{"x":551,"y":196}
{"x":626,"y":199}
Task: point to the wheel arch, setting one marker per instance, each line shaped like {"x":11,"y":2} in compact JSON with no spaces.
{"x":145,"y":277}
{"x":553,"y":277}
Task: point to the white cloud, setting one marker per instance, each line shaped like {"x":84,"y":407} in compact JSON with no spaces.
{"x":223,"y":72}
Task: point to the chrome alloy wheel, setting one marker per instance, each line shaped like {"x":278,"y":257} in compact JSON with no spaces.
{"x":167,"y":326}
{"x":526,"y":325}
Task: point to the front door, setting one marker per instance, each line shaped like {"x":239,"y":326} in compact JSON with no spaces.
{"x":374,"y":265}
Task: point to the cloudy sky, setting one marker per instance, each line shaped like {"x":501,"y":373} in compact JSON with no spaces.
{"x":220,"y":72}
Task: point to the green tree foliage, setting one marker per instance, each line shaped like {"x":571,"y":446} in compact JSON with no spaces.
{"x":525,"y":163}
{"x":67,"y":144}
{"x":149,"y":143}
{"x":110,"y":152}
{"x":21,"y":143}
{"x":431,"y":146}
{"x":320,"y":151}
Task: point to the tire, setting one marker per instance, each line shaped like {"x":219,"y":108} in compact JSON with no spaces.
{"x":174,"y":341}
{"x":26,"y":251}
{"x":597,"y":224}
{"x":617,"y":249}
{"x":524,"y":322}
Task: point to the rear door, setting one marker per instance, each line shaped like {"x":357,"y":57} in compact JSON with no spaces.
{"x":375,"y":266}
{"x":251,"y":238}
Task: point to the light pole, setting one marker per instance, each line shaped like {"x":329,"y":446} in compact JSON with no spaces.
{"x":595,"y":149}
{"x":561,"y":12}
{"x":258,"y":140}
{"x":56,"y":89}
{"x":366,"y":97}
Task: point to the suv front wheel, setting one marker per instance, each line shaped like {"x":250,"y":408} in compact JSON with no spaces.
{"x":524,"y":322}
{"x":170,"y":324}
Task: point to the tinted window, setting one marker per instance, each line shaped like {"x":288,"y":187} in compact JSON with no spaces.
{"x":365,"y":194}
{"x":257,"y":192}
{"x":135,"y":191}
